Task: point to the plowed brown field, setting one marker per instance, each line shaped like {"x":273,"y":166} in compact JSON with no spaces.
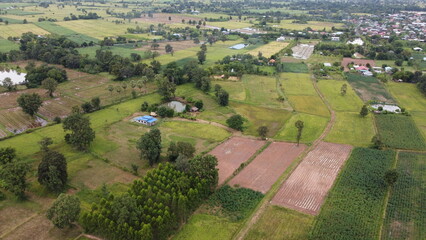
{"x":307,"y":187}
{"x":232,"y":153}
{"x":266,"y":168}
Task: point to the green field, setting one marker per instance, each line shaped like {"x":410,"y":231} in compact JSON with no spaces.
{"x":354,"y":206}
{"x":405,"y":216}
{"x":70,"y":34}
{"x":398,"y":131}
{"x":6,"y":45}
{"x":122,"y":51}
{"x":295,"y":67}
{"x":350,"y":128}
{"x":262,"y":91}
{"x":236,"y":90}
{"x":313,"y":127}
{"x":315,"y":25}
{"x":297,"y":84}
{"x":369,"y":88}
{"x":16,"y":30}
{"x":280,"y":223}
{"x":309,"y":104}
{"x":331,"y":90}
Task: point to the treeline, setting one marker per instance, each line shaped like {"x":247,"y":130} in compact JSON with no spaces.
{"x":88,"y":16}
{"x":237,"y":65}
{"x":156,"y":205}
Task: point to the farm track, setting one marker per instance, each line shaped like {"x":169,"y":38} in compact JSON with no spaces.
{"x":275,"y":188}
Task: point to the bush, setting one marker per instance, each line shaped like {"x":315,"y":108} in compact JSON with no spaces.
{"x":57,"y":120}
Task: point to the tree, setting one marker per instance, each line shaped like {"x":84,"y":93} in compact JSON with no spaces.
{"x":50,"y":85}
{"x":64,"y":211}
{"x":204,"y":167}
{"x":391,"y":176}
{"x":299,"y":125}
{"x":87,"y":107}
{"x":150,"y":146}
{"x":201,"y":56}
{"x":377,"y":143}
{"x":45,"y":143}
{"x":144,"y":106}
{"x":8,"y":84}
{"x":399,"y":62}
{"x":140,"y":84}
{"x":96,"y":103}
{"x":169,"y":48}
{"x":343,"y":89}
{"x":7,"y":154}
{"x":223,"y":97}
{"x":81,"y":133}
{"x":184,"y":149}
{"x":203,"y":47}
{"x":30,"y":103}
{"x":364,"y":111}
{"x":263,"y":131}
{"x":144,"y":81}
{"x":236,"y":122}
{"x":110,"y":88}
{"x":13,"y":175}
{"x":52,"y":171}
{"x":165,"y":88}
{"x":199,"y":104}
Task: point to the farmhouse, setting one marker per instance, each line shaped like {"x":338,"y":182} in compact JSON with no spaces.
{"x":238,"y":46}
{"x":147,"y":120}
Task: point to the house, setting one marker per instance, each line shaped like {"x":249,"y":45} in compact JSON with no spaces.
{"x":362,"y":68}
{"x":147,"y":120}
{"x":357,"y":41}
{"x":388,"y":69}
{"x":335,"y":39}
{"x":367,"y":73}
{"x":281,"y":39}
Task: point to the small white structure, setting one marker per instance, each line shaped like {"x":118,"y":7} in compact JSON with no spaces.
{"x":387,"y":107}
{"x":367,"y":73}
{"x":388,"y":69}
{"x":281,"y":39}
{"x":335,"y":39}
{"x":418,"y":49}
{"x":327,"y":65}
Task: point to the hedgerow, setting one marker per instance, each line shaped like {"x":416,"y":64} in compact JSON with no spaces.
{"x":353,"y":208}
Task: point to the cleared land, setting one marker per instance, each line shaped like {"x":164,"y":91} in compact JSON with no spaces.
{"x":405,"y":216}
{"x":398,"y":131}
{"x":354,"y":207}
{"x":361,"y":62}
{"x":266,"y":168}
{"x":16,"y":30}
{"x":351,"y":128}
{"x":269,"y":49}
{"x":309,"y":104}
{"x":315,"y":25}
{"x":295,"y":67}
{"x":350,"y":102}
{"x":232,"y":153}
{"x":277,"y":223}
{"x":297,"y":84}
{"x":70,"y":34}
{"x":307,"y":187}
{"x":303,"y":51}
{"x":369,"y":88}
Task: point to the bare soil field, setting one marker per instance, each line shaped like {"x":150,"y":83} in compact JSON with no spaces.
{"x":8,"y":99}
{"x":232,"y":153}
{"x":307,"y":187}
{"x":303,"y":51}
{"x":268,"y":166}
{"x":361,"y":62}
{"x":16,"y":121}
{"x":57,"y":107}
{"x":177,"y":46}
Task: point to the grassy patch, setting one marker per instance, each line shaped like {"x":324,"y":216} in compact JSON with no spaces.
{"x":199,"y":130}
{"x":274,"y":119}
{"x":315,"y":25}
{"x":314,"y":126}
{"x":269,"y":49}
{"x":70,"y":34}
{"x":122,"y":51}
{"x":297,"y":84}
{"x":207,"y":227}
{"x":351,"y":128}
{"x":309,"y":104}
{"x":331,"y":90}
{"x":278,"y":223}
{"x":6,"y":45}
{"x":16,"y":30}
{"x":261,"y":91}
{"x":398,"y":131}
{"x":408,"y":95}
{"x":369,"y":88}
{"x":295,"y":67}
{"x":354,"y":205}
{"x":405,"y":216}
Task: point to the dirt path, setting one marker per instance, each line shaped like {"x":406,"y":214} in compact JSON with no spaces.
{"x":268,"y":197}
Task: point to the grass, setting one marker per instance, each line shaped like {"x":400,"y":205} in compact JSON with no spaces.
{"x":405,"y":216}
{"x":208,"y":227}
{"x":309,"y":104}
{"x":269,"y":49}
{"x":274,"y":119}
{"x":315,"y":25}
{"x":6,"y":45}
{"x":351,"y":128}
{"x":236,"y":90}
{"x":313,"y":127}
{"x":354,"y":205}
{"x":261,"y":91}
{"x":70,"y":34}
{"x":350,"y":102}
{"x":279,"y":223}
{"x":295,"y":67}
{"x":122,"y":51}
{"x":297,"y":84}
{"x":198,"y":130}
{"x":16,"y":30}
{"x":369,"y":88}
{"x":398,"y":131}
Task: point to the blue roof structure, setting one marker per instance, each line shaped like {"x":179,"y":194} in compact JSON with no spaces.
{"x":238,"y":46}
{"x":146,"y":118}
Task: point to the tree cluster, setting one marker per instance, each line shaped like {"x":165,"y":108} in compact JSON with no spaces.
{"x":13,"y":173}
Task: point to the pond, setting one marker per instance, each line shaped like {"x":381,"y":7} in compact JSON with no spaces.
{"x":17,"y":77}
{"x":177,"y":106}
